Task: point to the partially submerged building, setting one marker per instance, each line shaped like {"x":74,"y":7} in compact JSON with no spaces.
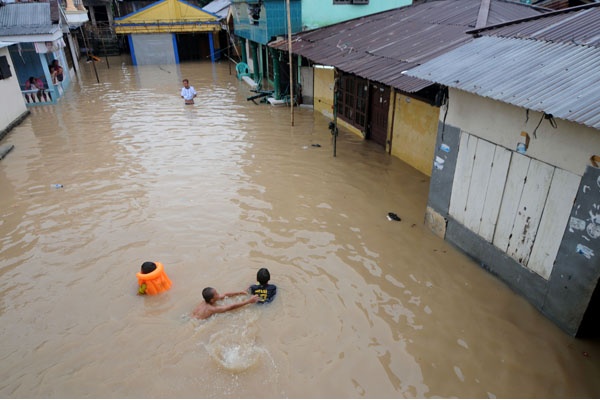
{"x":516,"y":182}
{"x":367,"y":56}
{"x":170,"y":31}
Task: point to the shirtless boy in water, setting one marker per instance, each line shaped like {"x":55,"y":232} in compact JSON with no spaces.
{"x":209,"y":307}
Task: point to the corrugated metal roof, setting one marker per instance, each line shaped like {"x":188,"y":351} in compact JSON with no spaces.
{"x":218,"y":7}
{"x":26,"y":19}
{"x":579,"y":25}
{"x":556,"y":78}
{"x":380,"y":46}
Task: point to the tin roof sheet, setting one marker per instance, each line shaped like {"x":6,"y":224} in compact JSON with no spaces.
{"x":218,"y":7}
{"x":556,"y":78}
{"x":26,"y":19}
{"x":380,"y":46}
{"x":579,"y":25}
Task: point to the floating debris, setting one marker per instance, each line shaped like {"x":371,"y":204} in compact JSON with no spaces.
{"x":393,"y":217}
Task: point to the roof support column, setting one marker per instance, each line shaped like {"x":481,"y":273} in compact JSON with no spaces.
{"x":211,"y":44}
{"x":243,"y":47}
{"x":276,"y":75}
{"x":256,"y":71}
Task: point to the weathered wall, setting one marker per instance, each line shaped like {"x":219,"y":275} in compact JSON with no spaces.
{"x":414,"y":132}
{"x":563,"y":291}
{"x":323,"y":91}
{"x":569,"y":146}
{"x":11,"y":101}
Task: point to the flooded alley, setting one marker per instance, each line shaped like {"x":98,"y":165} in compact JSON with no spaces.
{"x":366,"y":307}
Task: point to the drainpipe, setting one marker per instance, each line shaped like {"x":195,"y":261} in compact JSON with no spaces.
{"x":276,"y":75}
{"x":253,"y":48}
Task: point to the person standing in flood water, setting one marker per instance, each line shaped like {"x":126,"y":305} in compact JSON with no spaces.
{"x":209,"y":307}
{"x":188,"y":92}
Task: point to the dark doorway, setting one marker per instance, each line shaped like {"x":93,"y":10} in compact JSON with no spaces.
{"x":100,"y":14}
{"x":193,"y":47}
{"x":590,"y":326}
{"x":379,"y":96}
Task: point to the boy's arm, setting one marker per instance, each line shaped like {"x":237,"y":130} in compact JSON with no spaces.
{"x":232,"y":294}
{"x":229,"y":307}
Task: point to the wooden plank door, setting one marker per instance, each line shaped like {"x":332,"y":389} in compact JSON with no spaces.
{"x":379,"y":108}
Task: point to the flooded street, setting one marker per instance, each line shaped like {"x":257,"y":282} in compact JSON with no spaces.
{"x":366,"y":307}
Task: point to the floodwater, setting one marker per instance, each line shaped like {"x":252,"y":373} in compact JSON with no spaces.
{"x":366,"y":307}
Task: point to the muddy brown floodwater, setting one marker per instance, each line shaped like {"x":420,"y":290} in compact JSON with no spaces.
{"x":366,"y":307}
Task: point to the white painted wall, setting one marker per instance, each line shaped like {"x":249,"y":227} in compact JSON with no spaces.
{"x":11,"y":100}
{"x":568,"y":147}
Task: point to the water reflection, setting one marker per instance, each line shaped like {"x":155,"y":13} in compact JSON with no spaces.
{"x":367,"y":307}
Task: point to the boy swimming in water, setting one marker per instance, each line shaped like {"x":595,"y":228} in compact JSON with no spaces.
{"x":209,"y":307}
{"x":264,"y":289}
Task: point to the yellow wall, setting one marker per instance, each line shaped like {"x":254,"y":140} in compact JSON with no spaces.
{"x":414,"y":132}
{"x":323,"y":91}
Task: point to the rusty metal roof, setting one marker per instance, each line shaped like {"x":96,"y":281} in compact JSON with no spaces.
{"x":552,"y":77}
{"x":380,"y":46}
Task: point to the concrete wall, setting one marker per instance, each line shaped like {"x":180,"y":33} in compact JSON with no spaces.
{"x":11,"y":101}
{"x":414,"y":132}
{"x":564,"y":292}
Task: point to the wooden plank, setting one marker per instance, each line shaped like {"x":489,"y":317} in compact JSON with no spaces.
{"x":517,"y":172}
{"x":480,"y":178}
{"x":530,"y":211}
{"x":462,"y":176}
{"x":555,"y":217}
{"x":495,"y":192}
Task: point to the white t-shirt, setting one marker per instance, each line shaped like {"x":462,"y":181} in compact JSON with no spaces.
{"x":189,"y":93}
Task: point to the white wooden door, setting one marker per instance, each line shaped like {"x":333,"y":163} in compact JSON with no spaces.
{"x":519,"y":204}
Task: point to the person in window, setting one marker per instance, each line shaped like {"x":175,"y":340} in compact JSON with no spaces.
{"x":56,"y":72}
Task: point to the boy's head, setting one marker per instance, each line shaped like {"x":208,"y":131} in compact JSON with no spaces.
{"x":208,"y":293}
{"x":263,"y":276}
{"x":148,"y":267}
{"x":186,"y":83}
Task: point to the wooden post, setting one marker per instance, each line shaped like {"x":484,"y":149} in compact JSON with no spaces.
{"x":289,"y":21}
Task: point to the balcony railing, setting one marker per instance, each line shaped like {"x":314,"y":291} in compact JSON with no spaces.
{"x":36,"y":97}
